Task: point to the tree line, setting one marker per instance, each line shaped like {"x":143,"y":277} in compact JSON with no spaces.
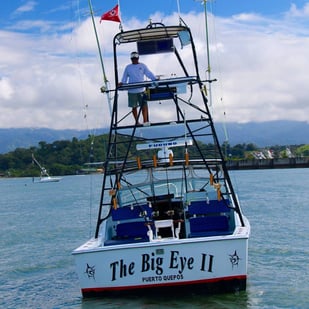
{"x":69,"y":157}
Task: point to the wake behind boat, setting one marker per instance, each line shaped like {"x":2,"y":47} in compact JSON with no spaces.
{"x":44,"y":177}
{"x":169,"y":217}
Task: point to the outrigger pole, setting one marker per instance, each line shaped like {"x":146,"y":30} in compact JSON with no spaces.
{"x":178,"y":8}
{"x":209,"y":69}
{"x":105,"y":87}
{"x":208,"y":56}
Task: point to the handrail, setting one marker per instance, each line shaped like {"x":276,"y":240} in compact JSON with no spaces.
{"x":159,"y":82}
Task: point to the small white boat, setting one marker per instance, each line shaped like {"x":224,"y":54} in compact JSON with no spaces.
{"x":169,"y":218}
{"x":44,"y":177}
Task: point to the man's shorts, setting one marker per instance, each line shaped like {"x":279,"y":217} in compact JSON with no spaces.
{"x":137,"y":99}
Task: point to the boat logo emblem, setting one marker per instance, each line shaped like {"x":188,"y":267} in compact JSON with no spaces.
{"x":90,"y":271}
{"x":234,"y":259}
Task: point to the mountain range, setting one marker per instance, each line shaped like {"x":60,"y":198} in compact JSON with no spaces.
{"x":261,"y":134}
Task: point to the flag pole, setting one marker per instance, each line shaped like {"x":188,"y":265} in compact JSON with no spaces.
{"x":120,"y":26}
{"x":105,"y":87}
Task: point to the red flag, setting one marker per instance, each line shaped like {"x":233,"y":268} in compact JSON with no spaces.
{"x":112,"y":15}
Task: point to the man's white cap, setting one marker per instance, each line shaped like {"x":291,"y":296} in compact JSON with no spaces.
{"x":134,"y":55}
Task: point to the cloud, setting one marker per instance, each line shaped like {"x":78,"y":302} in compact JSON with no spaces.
{"x":52,"y":77}
{"x":6,"y":89}
{"x":264,"y":71}
{"x":27,"y":7}
{"x":302,"y":12}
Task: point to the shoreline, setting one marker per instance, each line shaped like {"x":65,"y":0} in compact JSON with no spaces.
{"x":250,"y":164}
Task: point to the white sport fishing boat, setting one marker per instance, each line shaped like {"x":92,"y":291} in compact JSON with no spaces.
{"x":169,"y":218}
{"x":44,"y":177}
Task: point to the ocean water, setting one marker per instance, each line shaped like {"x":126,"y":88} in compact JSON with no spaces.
{"x":40,"y":225}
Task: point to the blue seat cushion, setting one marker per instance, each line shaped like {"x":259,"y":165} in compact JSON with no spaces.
{"x":209,"y":226}
{"x":214,"y":206}
{"x":136,"y":229}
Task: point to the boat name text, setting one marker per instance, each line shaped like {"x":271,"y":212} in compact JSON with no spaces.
{"x":154,"y":263}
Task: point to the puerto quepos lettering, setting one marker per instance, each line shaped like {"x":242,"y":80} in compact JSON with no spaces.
{"x":154,"y":263}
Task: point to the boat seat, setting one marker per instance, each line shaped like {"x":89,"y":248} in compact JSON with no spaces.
{"x":209,"y":226}
{"x":137,"y":229}
{"x":169,"y":223}
{"x":127,"y":212}
{"x":131,"y":224}
{"x":130,"y":232}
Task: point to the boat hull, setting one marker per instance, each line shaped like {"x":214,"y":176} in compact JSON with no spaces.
{"x":208,"y":265}
{"x":47,"y":179}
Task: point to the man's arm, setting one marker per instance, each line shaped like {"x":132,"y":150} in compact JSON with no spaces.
{"x":124,"y":76}
{"x":149,"y":74}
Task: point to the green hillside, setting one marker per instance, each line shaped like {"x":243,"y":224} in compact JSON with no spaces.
{"x":68,"y":157}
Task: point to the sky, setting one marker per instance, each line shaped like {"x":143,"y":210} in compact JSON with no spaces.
{"x":50,"y":72}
